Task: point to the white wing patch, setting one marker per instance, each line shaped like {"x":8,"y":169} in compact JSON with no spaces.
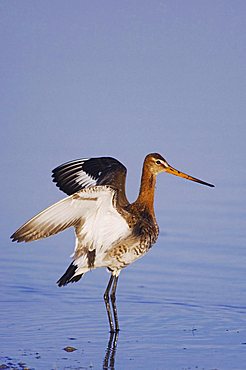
{"x":85,"y":180}
{"x":82,"y":178}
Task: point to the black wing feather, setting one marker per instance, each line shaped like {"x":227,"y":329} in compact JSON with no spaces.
{"x":76,"y":175}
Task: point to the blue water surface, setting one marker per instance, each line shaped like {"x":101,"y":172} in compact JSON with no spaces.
{"x":182,"y":306}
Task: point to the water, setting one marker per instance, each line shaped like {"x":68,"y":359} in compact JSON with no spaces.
{"x":182,"y":306}
{"x":125,"y":79}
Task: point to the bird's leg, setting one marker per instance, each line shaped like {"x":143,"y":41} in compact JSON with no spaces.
{"x":107,"y":304}
{"x":113,"y":300}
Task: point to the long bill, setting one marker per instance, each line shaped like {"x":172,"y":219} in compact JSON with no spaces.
{"x":175,"y":172}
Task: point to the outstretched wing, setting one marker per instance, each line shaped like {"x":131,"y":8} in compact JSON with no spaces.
{"x":75,"y":175}
{"x":84,"y":210}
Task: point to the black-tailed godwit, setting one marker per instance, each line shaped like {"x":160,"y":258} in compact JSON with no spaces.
{"x":110,"y":231}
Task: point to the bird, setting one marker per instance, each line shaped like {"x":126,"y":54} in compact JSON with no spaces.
{"x":110,"y":231}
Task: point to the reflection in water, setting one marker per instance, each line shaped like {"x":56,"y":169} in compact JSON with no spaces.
{"x":109,"y":358}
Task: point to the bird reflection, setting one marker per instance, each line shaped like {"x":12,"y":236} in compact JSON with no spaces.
{"x":109,"y":359}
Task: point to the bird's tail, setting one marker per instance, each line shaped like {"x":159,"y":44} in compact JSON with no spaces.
{"x":69,"y":276}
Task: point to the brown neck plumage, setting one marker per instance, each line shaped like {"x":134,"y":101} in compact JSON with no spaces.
{"x":147,"y":189}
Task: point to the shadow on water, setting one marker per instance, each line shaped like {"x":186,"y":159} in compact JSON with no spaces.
{"x":109,"y":359}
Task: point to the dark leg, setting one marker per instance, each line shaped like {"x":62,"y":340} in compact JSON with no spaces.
{"x":113,"y":300}
{"x":106,"y":300}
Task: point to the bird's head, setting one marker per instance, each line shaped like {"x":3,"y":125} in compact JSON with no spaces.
{"x":155,"y":163}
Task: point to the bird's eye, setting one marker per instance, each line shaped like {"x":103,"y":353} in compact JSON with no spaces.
{"x":158,"y":162}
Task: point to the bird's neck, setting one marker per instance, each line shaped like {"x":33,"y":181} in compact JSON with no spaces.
{"x":147,"y":190}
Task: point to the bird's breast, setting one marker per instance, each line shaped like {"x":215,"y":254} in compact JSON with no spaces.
{"x":146,"y":229}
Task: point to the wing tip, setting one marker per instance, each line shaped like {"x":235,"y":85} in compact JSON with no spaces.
{"x":18,"y":238}
{"x":14,"y":238}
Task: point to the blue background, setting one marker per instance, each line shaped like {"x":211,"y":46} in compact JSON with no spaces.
{"x":125,"y":78}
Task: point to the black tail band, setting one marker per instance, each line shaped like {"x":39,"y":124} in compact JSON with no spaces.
{"x":69,"y":277}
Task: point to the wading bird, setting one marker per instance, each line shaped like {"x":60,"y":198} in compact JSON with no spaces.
{"x":110,"y":231}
